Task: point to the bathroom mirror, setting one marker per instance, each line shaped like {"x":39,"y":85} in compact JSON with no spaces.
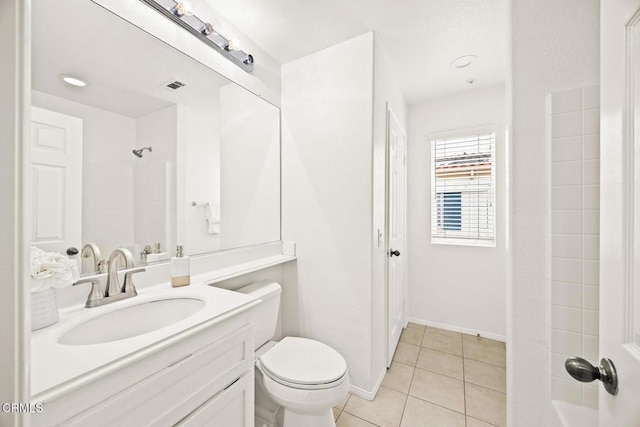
{"x":157,"y":148}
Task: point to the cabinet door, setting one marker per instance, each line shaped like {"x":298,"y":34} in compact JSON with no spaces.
{"x":232,"y":407}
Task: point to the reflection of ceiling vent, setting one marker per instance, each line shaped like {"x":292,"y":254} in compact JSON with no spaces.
{"x":175,"y":85}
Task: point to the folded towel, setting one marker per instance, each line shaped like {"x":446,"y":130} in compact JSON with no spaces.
{"x":212,"y":219}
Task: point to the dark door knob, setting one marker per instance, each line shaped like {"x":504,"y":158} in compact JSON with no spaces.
{"x":392,"y":252}
{"x":72,"y":251}
{"x":583,"y":371}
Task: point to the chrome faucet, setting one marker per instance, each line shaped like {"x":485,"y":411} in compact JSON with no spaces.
{"x":92,"y":250}
{"x":113,"y":292}
{"x":112,"y":275}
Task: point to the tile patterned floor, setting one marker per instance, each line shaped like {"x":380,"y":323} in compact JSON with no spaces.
{"x":437,"y":378}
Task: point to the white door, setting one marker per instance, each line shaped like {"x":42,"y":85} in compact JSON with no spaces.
{"x":56,"y":180}
{"x":620,"y":208}
{"x":396,"y":214}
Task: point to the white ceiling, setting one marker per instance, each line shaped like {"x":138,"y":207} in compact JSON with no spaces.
{"x":126,"y":69}
{"x":421,"y":37}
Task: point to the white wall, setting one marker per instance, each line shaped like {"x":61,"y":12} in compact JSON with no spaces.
{"x":249,"y":168}
{"x":327,"y":157}
{"x":453,"y":286}
{"x":554,"y":46}
{"x":107,"y":171}
{"x":574,"y":238}
{"x":385,"y":90}
{"x":334,"y":189}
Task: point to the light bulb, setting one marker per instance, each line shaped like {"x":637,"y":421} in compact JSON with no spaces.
{"x":183,"y":8}
{"x":233,"y":44}
{"x":208,"y":29}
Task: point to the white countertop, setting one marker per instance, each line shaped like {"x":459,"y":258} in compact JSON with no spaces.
{"x":57,"y":368}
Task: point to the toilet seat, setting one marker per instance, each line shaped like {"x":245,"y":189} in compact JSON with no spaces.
{"x":303,"y":363}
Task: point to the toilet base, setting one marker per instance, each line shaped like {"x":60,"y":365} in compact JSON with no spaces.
{"x":320,"y":419}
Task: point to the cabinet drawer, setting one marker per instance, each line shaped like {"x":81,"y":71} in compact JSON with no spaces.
{"x":167,"y":396}
{"x":232,"y":407}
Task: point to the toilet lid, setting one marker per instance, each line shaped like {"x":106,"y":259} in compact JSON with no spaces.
{"x":304,"y":361}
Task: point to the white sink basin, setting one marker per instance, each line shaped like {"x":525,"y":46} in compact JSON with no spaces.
{"x":131,"y":321}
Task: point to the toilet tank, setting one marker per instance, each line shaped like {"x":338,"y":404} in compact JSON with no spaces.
{"x":265,"y":315}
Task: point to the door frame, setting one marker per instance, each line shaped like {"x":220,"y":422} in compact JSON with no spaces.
{"x":389,"y":115}
{"x":15,"y":91}
{"x":628,"y":172}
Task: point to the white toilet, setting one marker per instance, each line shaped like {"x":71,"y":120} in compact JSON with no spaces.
{"x":298,"y":380}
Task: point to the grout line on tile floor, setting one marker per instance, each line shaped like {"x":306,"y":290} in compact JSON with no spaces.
{"x":464,"y":384}
{"x":403,"y":363}
{"x":478,"y":419}
{"x":360,"y":418}
{"x":485,"y":362}
{"x":437,"y":404}
{"x":343,"y":406}
{"x":406,"y":398}
{"x":404,"y":408}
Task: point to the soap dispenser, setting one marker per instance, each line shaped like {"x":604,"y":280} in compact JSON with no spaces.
{"x":180,"y":269}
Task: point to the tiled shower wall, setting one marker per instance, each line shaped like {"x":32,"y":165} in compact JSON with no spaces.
{"x":574,"y":239}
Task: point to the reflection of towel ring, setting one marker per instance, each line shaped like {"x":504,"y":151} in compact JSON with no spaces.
{"x":200,"y":205}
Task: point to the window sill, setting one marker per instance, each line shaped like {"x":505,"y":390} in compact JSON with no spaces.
{"x":463,"y":242}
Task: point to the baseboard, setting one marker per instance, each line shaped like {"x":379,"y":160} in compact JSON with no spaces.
{"x":369,"y":395}
{"x":458,"y":329}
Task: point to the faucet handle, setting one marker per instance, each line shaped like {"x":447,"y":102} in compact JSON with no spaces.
{"x":96,"y":293}
{"x":128,"y":287}
{"x":102,"y":265}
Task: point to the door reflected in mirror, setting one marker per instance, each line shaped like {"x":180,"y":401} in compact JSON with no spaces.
{"x":156,"y":150}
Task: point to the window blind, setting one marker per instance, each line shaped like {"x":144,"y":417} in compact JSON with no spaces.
{"x":463,"y":188}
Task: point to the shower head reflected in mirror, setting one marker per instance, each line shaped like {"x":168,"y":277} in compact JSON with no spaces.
{"x":138,"y":153}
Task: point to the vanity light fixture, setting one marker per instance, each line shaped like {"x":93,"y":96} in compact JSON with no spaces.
{"x":179,"y":13}
{"x":72,"y":80}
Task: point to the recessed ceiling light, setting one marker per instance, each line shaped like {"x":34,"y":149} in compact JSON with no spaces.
{"x":463,"y":61}
{"x":72,"y":80}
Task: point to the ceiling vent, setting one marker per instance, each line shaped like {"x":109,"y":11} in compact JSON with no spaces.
{"x":176,"y":84}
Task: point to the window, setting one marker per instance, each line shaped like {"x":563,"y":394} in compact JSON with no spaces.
{"x":450,"y":210}
{"x":463,"y":189}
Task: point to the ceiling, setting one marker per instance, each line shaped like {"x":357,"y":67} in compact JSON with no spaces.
{"x":420,"y":37}
{"x":127,"y":70}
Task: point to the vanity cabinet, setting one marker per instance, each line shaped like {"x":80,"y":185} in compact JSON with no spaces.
{"x":233,"y":407}
{"x":206,"y":378}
